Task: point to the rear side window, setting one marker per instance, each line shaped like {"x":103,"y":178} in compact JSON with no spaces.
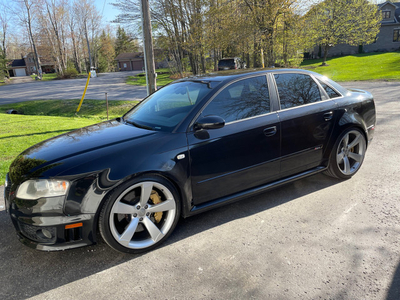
{"x":331,"y":92}
{"x":241,"y":100}
{"x":296,"y":89}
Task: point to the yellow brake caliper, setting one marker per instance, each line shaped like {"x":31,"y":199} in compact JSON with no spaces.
{"x":156,"y":199}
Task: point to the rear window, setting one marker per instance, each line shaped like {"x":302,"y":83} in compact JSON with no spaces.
{"x":226,"y":62}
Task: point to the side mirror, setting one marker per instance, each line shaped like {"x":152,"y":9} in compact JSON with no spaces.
{"x":209,"y":122}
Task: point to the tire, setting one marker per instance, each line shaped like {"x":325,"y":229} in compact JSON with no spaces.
{"x":347,"y":154}
{"x":140,"y":214}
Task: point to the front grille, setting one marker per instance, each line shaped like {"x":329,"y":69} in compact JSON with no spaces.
{"x":73,"y":234}
{"x":38,"y":234}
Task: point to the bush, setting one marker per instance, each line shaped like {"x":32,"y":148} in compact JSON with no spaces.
{"x":70,"y":72}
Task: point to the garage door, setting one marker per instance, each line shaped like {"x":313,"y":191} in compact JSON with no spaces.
{"x":137,"y":65}
{"x":19,"y":72}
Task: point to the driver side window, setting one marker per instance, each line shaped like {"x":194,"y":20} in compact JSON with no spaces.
{"x":241,"y":100}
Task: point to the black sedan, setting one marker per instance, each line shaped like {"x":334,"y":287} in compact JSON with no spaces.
{"x":195,"y":144}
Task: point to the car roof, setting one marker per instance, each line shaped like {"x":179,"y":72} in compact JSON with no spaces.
{"x":242,"y":73}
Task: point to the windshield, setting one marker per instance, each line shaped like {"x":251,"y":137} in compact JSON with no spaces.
{"x":167,"y":107}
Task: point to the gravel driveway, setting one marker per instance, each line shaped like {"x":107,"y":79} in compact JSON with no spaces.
{"x":318,"y":238}
{"x":112,"y":83}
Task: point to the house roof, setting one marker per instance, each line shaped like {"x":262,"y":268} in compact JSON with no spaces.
{"x":396,"y":13}
{"x":17,"y":63}
{"x":129,"y":56}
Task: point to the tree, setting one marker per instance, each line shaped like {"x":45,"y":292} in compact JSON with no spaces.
{"x":353,"y":22}
{"x":124,"y":42}
{"x":265,"y":15}
{"x":54,"y":22}
{"x":3,"y":44}
{"x":27,"y":13}
{"x":106,"y":53}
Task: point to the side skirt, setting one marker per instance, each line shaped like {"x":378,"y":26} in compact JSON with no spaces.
{"x":251,"y":192}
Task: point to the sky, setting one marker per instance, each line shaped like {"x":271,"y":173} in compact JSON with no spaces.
{"x":105,"y":8}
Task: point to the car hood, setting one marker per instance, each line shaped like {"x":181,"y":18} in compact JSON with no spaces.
{"x":81,"y":141}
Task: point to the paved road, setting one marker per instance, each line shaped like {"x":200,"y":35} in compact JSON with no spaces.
{"x":112,"y":83}
{"x":318,"y":238}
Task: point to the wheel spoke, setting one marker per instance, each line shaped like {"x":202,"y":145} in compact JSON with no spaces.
{"x":163,"y":206}
{"x":345,"y":140}
{"x":147,"y":187}
{"x":122,"y":208}
{"x":356,"y":157}
{"x":340,"y":157}
{"x":126,"y":237}
{"x":346,"y":165}
{"x":155,"y":233}
{"x":355,"y":141}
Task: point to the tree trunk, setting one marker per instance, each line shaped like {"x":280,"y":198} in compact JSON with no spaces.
{"x":326,"y":49}
{"x":37,"y":62}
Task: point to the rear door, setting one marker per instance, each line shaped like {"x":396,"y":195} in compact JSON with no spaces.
{"x":307,"y":117}
{"x":245,"y":152}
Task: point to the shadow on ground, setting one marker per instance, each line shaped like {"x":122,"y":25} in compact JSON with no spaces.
{"x":394,"y":290}
{"x":26,"y":272}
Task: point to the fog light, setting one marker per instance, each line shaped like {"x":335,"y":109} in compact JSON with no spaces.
{"x":44,"y":233}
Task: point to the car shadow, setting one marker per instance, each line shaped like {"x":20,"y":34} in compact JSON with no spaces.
{"x":27,"y":272}
{"x":394,"y":289}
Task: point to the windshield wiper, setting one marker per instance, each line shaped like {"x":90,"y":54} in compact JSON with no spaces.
{"x":139,"y":125}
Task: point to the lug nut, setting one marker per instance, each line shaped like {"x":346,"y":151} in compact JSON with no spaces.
{"x":148,"y":214}
{"x":141,"y":219}
{"x":146,"y":207}
{"x":138,"y":207}
{"x":134,"y":215}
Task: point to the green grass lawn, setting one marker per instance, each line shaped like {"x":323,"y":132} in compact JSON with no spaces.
{"x":47,"y":76}
{"x":54,"y":76}
{"x":140,"y":79}
{"x":19,"y":132}
{"x":47,"y":118}
{"x":366,"y":66}
{"x":94,"y":109}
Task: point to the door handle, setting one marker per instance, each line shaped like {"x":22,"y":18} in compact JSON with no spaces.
{"x":270,"y":131}
{"x":328,"y":116}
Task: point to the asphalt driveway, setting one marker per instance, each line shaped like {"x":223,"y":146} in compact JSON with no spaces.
{"x":112,"y":83}
{"x":318,"y":238}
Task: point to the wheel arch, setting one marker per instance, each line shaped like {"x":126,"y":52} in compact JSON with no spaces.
{"x":347,"y":121}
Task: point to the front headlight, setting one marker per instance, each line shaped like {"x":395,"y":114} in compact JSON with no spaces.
{"x":35,"y":189}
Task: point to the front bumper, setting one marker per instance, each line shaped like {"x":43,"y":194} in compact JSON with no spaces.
{"x":41,"y":224}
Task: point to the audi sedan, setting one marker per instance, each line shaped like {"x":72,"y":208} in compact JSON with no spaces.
{"x":196,"y":144}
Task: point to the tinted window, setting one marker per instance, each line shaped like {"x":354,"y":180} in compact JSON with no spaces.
{"x":240,"y":100}
{"x":167,"y":107}
{"x":296,"y":89}
{"x":226,"y":63}
{"x":331,"y":92}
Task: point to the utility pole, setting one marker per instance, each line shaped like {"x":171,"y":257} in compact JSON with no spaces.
{"x":148,"y":48}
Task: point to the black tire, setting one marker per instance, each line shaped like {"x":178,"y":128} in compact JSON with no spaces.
{"x":347,"y":154}
{"x":140,"y":214}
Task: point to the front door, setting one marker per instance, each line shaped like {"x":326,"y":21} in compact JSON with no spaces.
{"x":245,"y":152}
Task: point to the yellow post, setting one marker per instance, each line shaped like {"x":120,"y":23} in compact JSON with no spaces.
{"x":84,"y":93}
